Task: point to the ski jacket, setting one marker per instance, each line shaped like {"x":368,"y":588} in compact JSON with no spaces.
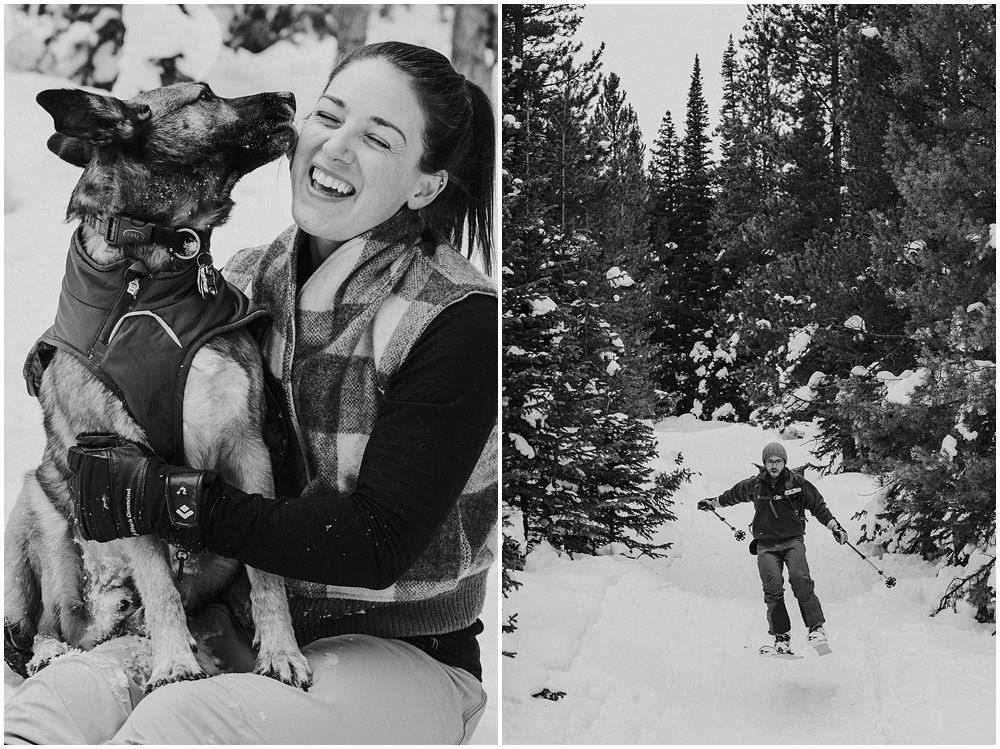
{"x":779,"y":507}
{"x":138,"y":332}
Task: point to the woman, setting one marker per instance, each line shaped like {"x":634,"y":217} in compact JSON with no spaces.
{"x":384,"y":346}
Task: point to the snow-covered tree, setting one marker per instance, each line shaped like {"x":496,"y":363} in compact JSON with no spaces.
{"x":575,"y":464}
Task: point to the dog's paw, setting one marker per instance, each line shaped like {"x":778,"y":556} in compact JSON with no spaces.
{"x":290,"y":668}
{"x":172,"y":670}
{"x":45,"y":650}
{"x":157,"y":681}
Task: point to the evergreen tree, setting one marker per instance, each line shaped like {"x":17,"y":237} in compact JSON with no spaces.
{"x":618,"y":220}
{"x":809,"y":223}
{"x":695,"y":204}
{"x":664,"y":178}
{"x":936,"y":257}
{"x":574,"y":465}
{"x":687,"y":294}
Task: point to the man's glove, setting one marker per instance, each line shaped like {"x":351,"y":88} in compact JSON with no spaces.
{"x":123,"y":490}
{"x":708,"y":504}
{"x":838,"y":533}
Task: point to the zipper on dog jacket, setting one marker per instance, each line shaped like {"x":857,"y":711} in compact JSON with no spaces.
{"x":138,"y":332}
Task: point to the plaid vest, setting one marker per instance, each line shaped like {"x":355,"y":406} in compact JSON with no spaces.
{"x":334,"y":347}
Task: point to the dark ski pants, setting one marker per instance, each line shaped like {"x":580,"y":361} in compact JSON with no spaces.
{"x":771,"y":557}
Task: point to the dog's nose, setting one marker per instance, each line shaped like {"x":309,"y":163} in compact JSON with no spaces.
{"x":287,"y":97}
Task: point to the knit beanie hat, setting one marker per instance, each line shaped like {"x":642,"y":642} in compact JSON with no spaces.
{"x":774,"y":450}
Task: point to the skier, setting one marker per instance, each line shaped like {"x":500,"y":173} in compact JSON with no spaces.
{"x":780,"y":499}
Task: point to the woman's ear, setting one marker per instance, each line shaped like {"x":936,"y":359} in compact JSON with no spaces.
{"x":429,"y":186}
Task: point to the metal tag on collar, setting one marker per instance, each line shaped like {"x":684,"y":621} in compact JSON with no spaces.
{"x":208,"y":278}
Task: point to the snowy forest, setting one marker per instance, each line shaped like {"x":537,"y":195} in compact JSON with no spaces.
{"x":830,"y":261}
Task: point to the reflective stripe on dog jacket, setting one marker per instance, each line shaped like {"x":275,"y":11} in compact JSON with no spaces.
{"x":138,"y":333}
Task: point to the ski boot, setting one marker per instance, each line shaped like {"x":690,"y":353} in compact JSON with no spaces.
{"x":817,"y":638}
{"x":783,"y":644}
{"x":816,"y":635}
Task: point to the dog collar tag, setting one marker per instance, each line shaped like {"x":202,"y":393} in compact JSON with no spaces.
{"x":208,"y":276}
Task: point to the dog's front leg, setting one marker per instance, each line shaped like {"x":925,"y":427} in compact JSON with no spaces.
{"x":166,"y":623}
{"x":222,"y":420}
{"x":278,"y":655}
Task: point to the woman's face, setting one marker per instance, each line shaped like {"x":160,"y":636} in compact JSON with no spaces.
{"x":357,"y":156}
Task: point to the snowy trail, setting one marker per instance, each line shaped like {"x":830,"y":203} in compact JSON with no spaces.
{"x":665,"y":651}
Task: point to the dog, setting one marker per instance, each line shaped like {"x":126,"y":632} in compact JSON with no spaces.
{"x":158,"y":172}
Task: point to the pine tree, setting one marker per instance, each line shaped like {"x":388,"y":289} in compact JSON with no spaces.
{"x":618,"y":220}
{"x":664,"y":178}
{"x":687,"y":295}
{"x":936,"y":257}
{"x":695,"y":186}
{"x":570,"y":477}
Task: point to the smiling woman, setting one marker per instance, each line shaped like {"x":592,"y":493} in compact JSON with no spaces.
{"x":382,"y":365}
{"x":358,"y":157}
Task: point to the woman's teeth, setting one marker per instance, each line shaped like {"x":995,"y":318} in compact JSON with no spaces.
{"x":331,"y":183}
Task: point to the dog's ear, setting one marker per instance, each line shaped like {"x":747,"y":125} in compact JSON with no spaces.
{"x":91,"y":118}
{"x":76,"y":151}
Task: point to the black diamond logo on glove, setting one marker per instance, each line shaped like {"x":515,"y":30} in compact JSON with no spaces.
{"x":185,"y":512}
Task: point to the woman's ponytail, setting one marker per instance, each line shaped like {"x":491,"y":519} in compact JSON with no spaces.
{"x":480,"y":176}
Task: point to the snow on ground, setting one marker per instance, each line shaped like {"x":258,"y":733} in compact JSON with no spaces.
{"x":665,"y":651}
{"x":37,"y":186}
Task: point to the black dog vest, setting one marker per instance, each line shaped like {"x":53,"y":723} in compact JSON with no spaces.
{"x":138,"y":332}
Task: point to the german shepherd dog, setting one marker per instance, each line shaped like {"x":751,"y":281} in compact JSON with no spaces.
{"x":169,"y":157}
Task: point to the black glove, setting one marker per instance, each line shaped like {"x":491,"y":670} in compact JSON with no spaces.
{"x":839,"y":533}
{"x":707,"y":504}
{"x":123,"y":490}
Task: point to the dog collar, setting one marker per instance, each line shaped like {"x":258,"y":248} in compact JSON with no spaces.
{"x":183,"y":243}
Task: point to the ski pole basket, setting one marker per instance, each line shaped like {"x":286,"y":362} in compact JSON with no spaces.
{"x":889,"y":581}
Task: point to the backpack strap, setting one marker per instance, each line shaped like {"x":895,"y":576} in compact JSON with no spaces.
{"x":793,"y":493}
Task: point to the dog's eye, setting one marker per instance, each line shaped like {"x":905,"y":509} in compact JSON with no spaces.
{"x":206,"y":94}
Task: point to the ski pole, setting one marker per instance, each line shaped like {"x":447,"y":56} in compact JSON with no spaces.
{"x":740,"y":535}
{"x":889,"y":581}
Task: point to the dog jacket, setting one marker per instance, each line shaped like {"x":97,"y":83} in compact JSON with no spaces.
{"x":138,"y":332}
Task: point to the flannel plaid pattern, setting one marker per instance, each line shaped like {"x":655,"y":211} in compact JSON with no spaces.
{"x":348,"y":331}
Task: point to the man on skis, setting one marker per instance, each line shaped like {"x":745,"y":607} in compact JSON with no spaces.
{"x":780,"y":499}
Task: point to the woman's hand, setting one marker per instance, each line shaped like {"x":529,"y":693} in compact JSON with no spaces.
{"x":122,"y":490}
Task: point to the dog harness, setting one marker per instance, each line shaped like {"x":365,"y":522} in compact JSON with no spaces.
{"x":138,"y":332}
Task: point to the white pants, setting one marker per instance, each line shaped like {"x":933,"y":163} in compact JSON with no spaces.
{"x":366,"y":690}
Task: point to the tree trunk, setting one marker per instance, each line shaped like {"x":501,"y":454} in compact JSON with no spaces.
{"x":350,"y":26}
{"x":473,"y":44}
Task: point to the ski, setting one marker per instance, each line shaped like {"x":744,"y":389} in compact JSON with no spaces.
{"x":822,"y":648}
{"x":768,"y":651}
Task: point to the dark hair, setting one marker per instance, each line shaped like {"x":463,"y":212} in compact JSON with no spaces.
{"x":459,"y":135}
